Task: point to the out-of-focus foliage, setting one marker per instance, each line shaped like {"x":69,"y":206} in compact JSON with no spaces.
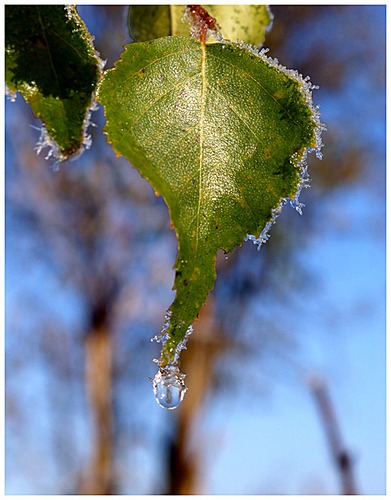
{"x":236,"y":22}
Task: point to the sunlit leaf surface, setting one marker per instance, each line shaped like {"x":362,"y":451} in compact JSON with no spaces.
{"x":219,"y":132}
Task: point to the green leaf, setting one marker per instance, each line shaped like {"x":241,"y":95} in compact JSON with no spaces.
{"x":146,"y":22}
{"x":220,"y":132}
{"x":51,"y":61}
{"x":242,"y":22}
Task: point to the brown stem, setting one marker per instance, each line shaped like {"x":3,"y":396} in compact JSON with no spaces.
{"x":342,"y":458}
{"x":202,"y":20}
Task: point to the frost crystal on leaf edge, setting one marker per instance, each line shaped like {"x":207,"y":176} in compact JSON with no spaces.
{"x":306,"y":88}
{"x":45,"y":140}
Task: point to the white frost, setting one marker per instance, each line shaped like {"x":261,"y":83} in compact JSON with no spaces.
{"x":306,"y":89}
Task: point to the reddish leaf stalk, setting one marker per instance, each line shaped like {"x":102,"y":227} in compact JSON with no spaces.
{"x":203,"y":20}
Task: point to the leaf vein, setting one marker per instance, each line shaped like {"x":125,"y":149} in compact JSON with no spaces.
{"x":255,"y":81}
{"x":178,"y":85}
{"x":166,"y":56}
{"x":201,"y":141}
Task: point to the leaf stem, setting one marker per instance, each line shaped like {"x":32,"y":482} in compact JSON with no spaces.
{"x":201,"y":21}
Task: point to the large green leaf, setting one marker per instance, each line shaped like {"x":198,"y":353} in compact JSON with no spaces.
{"x":51,"y":61}
{"x":220,"y":132}
{"x":237,"y":22}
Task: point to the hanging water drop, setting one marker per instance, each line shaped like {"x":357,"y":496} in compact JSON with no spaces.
{"x":169,"y":386}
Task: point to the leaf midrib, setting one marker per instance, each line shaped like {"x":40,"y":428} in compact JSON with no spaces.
{"x":63,"y":112}
{"x":201,"y":156}
{"x":202,"y":138}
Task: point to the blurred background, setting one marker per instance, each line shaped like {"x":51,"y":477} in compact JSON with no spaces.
{"x":286,"y":367}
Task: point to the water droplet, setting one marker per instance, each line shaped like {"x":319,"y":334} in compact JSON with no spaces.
{"x":169,"y":386}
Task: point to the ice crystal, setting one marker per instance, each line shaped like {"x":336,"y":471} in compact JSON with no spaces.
{"x":200,"y":22}
{"x":163,"y":336}
{"x":45,"y":141}
{"x":306,"y":88}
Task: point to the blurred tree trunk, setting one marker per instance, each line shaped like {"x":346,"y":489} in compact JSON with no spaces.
{"x":98,"y":352}
{"x":184,"y":449}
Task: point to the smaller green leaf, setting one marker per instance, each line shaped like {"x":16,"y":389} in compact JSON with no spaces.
{"x":242,"y":22}
{"x":237,"y":22}
{"x":51,"y":61}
